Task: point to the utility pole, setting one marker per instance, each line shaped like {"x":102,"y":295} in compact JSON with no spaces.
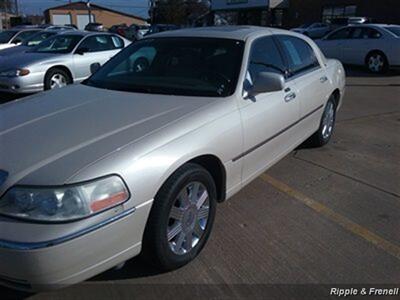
{"x":89,"y":11}
{"x":16,"y":7}
{"x":5,"y":14}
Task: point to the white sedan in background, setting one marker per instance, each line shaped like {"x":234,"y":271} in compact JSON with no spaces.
{"x":377,"y":46}
{"x":15,"y":37}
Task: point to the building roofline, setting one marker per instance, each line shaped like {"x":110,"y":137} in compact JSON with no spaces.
{"x":66,"y":6}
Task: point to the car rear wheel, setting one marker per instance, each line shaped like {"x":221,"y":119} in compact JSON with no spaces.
{"x":324,"y":133}
{"x":56,"y":78}
{"x":181,"y":218}
{"x":376,"y":62}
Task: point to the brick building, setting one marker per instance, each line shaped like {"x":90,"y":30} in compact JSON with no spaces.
{"x":77,"y":13}
{"x":292,"y":13}
{"x":305,"y":11}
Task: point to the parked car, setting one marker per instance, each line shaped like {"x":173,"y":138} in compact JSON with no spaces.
{"x":136,"y":159}
{"x":313,"y":30}
{"x":97,"y":27}
{"x":58,"y":61}
{"x":156,"y":28}
{"x":14,"y":37}
{"x":34,"y":40}
{"x":377,"y":46}
{"x":344,"y":21}
{"x":119,"y":29}
{"x":136,"y":32}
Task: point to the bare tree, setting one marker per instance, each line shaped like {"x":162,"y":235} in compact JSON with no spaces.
{"x":179,"y":12}
{"x":7,"y":6}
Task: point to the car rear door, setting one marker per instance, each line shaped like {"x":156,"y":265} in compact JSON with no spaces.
{"x":266,"y":117}
{"x":361,"y":41}
{"x":310,"y":78}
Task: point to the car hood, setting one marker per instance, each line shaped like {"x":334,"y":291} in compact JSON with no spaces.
{"x":47,"y":138}
{"x":14,"y":50}
{"x":25,"y":59}
{"x":5,"y":46}
{"x":298,"y":29}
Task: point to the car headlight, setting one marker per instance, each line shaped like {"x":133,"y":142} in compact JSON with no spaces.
{"x":15,"y":73}
{"x":65,"y":203}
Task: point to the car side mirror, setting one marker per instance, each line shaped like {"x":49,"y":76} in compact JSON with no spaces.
{"x":94,"y":67}
{"x":266,"y":82}
{"x":81,"y":51}
{"x":17,"y":42}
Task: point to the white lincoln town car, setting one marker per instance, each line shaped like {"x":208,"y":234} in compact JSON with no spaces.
{"x":136,"y":158}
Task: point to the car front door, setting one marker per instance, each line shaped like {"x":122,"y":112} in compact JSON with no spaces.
{"x":332,"y":45}
{"x":266,"y":117}
{"x":310,"y":78}
{"x":95,"y":49}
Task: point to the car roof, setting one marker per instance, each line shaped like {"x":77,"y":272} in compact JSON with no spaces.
{"x":82,"y":33}
{"x":375,"y":25}
{"x":228,"y":32}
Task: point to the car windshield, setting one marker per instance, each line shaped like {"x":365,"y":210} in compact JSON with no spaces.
{"x":58,"y":44}
{"x":7,"y":35}
{"x":38,"y":38}
{"x":394,"y":29}
{"x":174,"y":66}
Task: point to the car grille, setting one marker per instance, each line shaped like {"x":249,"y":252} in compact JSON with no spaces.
{"x":3,"y":86}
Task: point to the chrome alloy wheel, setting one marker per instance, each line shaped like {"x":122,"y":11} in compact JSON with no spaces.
{"x":58,"y":81}
{"x":188,"y":218}
{"x":376,"y":63}
{"x":328,"y":120}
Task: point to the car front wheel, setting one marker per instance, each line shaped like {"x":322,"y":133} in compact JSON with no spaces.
{"x":56,"y":78}
{"x":181,"y":218}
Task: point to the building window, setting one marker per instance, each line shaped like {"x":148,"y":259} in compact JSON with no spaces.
{"x":334,"y":12}
{"x":277,"y":17}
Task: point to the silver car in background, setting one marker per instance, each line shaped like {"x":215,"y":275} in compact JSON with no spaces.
{"x":135,"y":159}
{"x":58,"y":61}
{"x":376,"y":46}
{"x":313,"y":30}
{"x":29,"y":43}
{"x":14,"y":37}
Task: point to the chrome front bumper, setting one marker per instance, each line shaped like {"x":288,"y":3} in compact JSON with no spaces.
{"x":52,"y":264}
{"x":31,"y":83}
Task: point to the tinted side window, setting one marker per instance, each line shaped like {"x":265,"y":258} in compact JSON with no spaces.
{"x":265,"y":57}
{"x":372,"y":33}
{"x":340,"y":34}
{"x":365,"y":33}
{"x":97,"y":43}
{"x":299,"y":54}
{"x":23,"y":36}
{"x":117,"y":42}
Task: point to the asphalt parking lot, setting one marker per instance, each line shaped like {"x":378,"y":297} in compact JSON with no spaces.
{"x":320,"y":218}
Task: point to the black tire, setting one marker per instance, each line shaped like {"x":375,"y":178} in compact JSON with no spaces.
{"x":156,"y":247}
{"x":320,"y":138}
{"x":377,"y":62}
{"x":51,"y":73}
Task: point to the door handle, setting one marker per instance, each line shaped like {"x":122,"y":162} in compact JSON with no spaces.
{"x":323,"y":79}
{"x":290,"y":97}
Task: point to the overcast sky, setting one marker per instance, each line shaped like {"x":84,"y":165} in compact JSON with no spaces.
{"x":137,"y":7}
